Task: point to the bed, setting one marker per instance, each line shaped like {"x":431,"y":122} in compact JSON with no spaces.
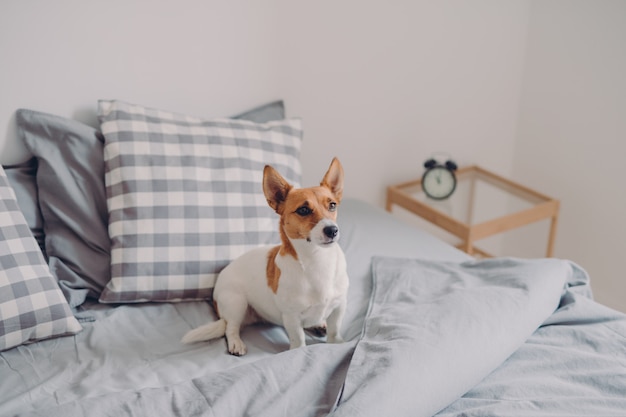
{"x":112,"y":239}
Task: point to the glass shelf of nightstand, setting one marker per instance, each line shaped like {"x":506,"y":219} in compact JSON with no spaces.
{"x":482,"y":205}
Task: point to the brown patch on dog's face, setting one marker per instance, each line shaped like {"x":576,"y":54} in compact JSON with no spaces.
{"x":305,"y":208}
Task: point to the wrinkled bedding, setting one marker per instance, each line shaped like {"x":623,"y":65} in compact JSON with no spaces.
{"x":429,"y":330}
{"x":486,"y":331}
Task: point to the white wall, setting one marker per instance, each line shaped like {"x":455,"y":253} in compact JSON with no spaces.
{"x":383,"y":85}
{"x":572,"y":132}
{"x":206,"y":58}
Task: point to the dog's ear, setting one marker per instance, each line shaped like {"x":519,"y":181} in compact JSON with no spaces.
{"x":333,"y":179}
{"x":275,"y":188}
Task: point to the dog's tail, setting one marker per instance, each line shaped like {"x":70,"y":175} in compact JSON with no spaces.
{"x":209,"y":331}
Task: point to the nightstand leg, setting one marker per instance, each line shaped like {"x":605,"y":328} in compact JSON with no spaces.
{"x":551,"y":237}
{"x":468,"y":247}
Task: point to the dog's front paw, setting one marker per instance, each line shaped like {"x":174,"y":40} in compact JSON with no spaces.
{"x":236,"y":346}
{"x":317,"y":331}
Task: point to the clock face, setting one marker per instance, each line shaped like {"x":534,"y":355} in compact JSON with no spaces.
{"x":438,"y":183}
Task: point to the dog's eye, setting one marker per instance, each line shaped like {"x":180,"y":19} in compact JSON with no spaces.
{"x":332,"y":206}
{"x":304,"y":211}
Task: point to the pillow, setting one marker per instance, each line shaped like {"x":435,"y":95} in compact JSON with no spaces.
{"x":22,"y":179}
{"x":71,"y":180}
{"x":32,"y":306}
{"x":72,"y":200}
{"x":264,"y":113}
{"x":185,"y":197}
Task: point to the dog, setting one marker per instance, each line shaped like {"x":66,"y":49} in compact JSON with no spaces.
{"x":301,"y":283}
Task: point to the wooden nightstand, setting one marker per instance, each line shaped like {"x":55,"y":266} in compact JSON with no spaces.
{"x":515,"y":205}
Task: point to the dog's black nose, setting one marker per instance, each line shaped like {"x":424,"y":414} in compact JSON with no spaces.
{"x":331,"y":231}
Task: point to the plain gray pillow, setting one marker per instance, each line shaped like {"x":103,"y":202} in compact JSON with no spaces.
{"x":61,"y":193}
{"x":265,"y":113}
{"x":72,"y":200}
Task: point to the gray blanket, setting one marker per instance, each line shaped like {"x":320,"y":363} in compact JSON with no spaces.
{"x":474,"y":338}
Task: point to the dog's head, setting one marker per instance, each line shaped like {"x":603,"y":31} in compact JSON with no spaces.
{"x":306,"y":213}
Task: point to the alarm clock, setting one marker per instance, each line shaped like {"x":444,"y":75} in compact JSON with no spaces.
{"x":439,"y":180}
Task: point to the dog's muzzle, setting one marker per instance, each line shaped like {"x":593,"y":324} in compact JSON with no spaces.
{"x":324,"y":233}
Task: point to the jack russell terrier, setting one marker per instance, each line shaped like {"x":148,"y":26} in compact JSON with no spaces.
{"x":301,"y":283}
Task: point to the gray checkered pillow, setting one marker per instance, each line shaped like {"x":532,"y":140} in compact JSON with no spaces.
{"x":185,"y":197}
{"x":32,"y":306}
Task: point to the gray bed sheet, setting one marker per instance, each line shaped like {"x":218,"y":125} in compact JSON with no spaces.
{"x":428,"y":330}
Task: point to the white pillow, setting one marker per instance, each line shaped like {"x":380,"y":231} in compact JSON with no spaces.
{"x":185,"y":197}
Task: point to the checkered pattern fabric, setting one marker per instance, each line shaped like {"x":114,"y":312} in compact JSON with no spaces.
{"x":32,"y":307}
{"x":185,"y":197}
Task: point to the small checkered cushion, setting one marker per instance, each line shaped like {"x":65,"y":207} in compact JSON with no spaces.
{"x":32,"y":306}
{"x":185,"y":197}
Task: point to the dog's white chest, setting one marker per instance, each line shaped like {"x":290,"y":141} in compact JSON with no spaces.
{"x":312,"y":286}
